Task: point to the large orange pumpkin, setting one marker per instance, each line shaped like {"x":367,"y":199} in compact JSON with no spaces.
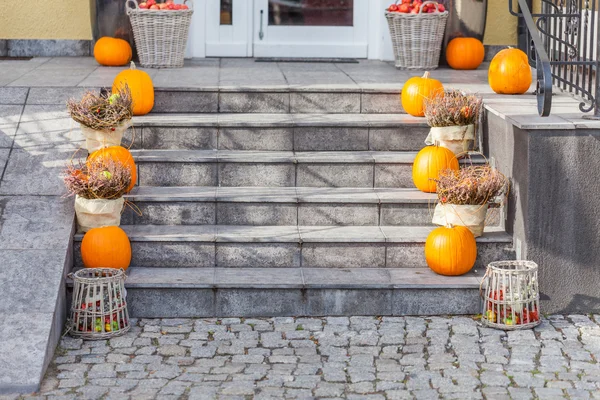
{"x":113,"y":52}
{"x":106,"y":247}
{"x":451,"y":250}
{"x":120,"y":154}
{"x":142,"y":89}
{"x":416,"y":89}
{"x":510,"y":72}
{"x":465,"y":53}
{"x":427,"y":165}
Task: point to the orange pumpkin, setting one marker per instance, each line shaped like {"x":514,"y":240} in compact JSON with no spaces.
{"x":142,"y":89}
{"x":427,"y":165}
{"x":510,"y":72}
{"x":451,"y":250}
{"x":113,"y":52}
{"x":106,"y":247}
{"x":416,"y":89}
{"x":465,"y":53}
{"x":120,"y":154}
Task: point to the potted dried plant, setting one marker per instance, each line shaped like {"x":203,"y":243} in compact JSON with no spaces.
{"x":104,"y":118}
{"x":98,"y":186}
{"x":452,"y":119}
{"x":465,"y":194}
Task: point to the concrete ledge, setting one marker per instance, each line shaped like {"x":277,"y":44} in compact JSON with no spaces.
{"x":46,"y":48}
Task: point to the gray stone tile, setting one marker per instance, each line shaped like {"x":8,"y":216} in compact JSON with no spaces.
{"x":35,"y":172}
{"x":66,"y":77}
{"x":349,"y":302}
{"x":306,"y":102}
{"x":179,"y":138}
{"x":185,"y":102}
{"x":177,"y":174}
{"x":331,"y":139}
{"x":334,"y":175}
{"x":249,"y":102}
{"x":3,"y":160}
{"x":267,"y":255}
{"x":189,"y":77}
{"x":262,"y":234}
{"x":405,"y":255}
{"x":382,"y":103}
{"x":341,"y":255}
{"x":171,"y":233}
{"x":435,"y":302}
{"x":173,"y":254}
{"x":407,"y":214}
{"x":257,"y":194}
{"x":55,"y":95}
{"x":253,"y":278}
{"x":23,"y":349}
{"x":341,"y":234}
{"x":173,"y":278}
{"x":256,"y":214}
{"x":258,"y":302}
{"x":254,"y":174}
{"x":346,"y":278}
{"x":13,"y":95}
{"x":337,"y":195}
{"x":170,"y":213}
{"x":178,"y":303}
{"x":10,"y":115}
{"x":393,"y":176}
{"x":338,"y":214}
{"x":30,"y":222}
{"x":49,"y":48}
{"x":24,"y":288}
{"x":401,"y":138}
{"x":256,"y":139}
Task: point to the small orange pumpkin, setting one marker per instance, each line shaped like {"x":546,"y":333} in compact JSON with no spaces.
{"x":106,"y":247}
{"x":427,"y":165}
{"x":416,"y":89}
{"x":509,"y":72}
{"x":112,"y":52}
{"x":451,"y":250}
{"x":142,"y":89}
{"x":465,"y":53}
{"x":120,"y":154}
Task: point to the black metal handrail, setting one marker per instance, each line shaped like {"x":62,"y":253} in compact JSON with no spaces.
{"x":565,"y":40}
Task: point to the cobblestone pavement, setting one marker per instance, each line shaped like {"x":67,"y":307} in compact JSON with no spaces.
{"x":334,"y":357}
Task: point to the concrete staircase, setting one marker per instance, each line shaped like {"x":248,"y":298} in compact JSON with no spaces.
{"x":285,"y":213}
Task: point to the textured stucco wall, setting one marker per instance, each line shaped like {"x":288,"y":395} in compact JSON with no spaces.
{"x":501,"y":26}
{"x":554,"y":208}
{"x":37,"y":19}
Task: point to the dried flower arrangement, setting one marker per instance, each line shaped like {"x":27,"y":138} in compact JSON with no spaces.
{"x":101,"y":111}
{"x":98,"y":179}
{"x":455,"y":108}
{"x":471,"y":185}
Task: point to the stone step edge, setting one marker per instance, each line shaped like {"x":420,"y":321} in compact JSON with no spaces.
{"x":257,"y":120}
{"x":291,"y":234}
{"x":279,"y":157}
{"x":240,"y":194}
{"x":296,"y":278}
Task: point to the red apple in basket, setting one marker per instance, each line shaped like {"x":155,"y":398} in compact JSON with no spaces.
{"x":143,"y":6}
{"x":184,"y":7}
{"x":151,"y":3}
{"x":163,"y":6}
{"x":177,"y":6}
{"x":154,"y":7}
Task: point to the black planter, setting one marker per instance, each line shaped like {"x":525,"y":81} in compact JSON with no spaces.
{"x":110,"y":19}
{"x":466,"y":18}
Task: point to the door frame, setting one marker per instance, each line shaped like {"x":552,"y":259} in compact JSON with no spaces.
{"x":233,"y":40}
{"x":345,"y":41}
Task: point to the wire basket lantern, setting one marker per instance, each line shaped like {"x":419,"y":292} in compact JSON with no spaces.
{"x":511,"y":299}
{"x":99,"y":307}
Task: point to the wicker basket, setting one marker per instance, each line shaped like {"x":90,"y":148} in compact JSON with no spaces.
{"x":99,"y":309}
{"x":160,"y":36}
{"x":417,"y":38}
{"x":511,"y":299}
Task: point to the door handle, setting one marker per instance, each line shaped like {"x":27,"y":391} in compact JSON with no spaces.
{"x":261,"y":34}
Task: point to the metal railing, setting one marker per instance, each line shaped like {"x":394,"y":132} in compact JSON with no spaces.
{"x":564,"y":45}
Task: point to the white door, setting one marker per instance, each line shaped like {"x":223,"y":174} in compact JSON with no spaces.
{"x":310,"y":28}
{"x":228,"y":28}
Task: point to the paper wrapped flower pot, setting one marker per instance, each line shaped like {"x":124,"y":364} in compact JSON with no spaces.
{"x":470,"y":216}
{"x":457,"y":139}
{"x":95,"y":139}
{"x":96,"y":213}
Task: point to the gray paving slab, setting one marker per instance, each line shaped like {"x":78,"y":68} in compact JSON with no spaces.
{"x":54,"y":76}
{"x":3,"y":160}
{"x":12,"y":95}
{"x":40,"y":294}
{"x":36,"y":222}
{"x":54,"y":95}
{"x":24,"y":345}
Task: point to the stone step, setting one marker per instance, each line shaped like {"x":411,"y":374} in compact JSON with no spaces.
{"x":280,"y":132}
{"x":275,"y":168}
{"x":201,"y":205}
{"x":202,"y":246}
{"x":330,"y":99}
{"x":254,"y":292}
